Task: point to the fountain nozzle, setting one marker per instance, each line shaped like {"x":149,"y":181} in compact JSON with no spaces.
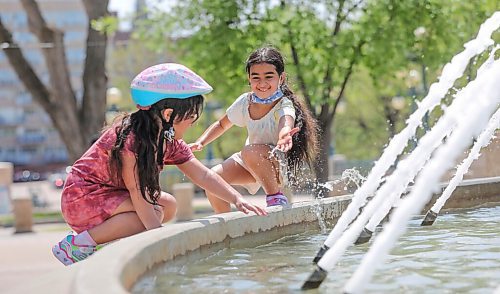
{"x":364,"y":236}
{"x":429,"y":219}
{"x":315,"y":279}
{"x":320,"y":253}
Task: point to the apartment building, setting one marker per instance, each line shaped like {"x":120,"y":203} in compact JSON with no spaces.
{"x":27,"y":136}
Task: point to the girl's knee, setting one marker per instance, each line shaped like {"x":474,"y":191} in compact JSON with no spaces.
{"x":169,"y":206}
{"x":167,"y":199}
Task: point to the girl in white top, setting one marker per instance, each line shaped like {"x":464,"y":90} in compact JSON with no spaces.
{"x":274,"y":118}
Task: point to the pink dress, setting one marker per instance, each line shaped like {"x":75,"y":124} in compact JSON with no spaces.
{"x":91,"y":194}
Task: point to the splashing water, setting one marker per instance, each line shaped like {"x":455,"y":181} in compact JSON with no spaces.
{"x":408,"y":168}
{"x":272,"y":154}
{"x":451,"y":72}
{"x":404,"y":173}
{"x":275,"y":153}
{"x":483,"y":140}
{"x":351,"y":175}
{"x":348,"y":176}
{"x":470,"y":121}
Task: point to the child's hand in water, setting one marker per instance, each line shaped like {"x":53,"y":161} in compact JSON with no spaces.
{"x":245,"y":207}
{"x":285,"y":140}
{"x":196,"y":146}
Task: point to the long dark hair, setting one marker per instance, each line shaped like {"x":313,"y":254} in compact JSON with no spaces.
{"x":305,"y":142}
{"x":146,"y":125}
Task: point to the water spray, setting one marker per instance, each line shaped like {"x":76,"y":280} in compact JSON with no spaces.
{"x":451,"y":72}
{"x":470,"y":122}
{"x":483,"y":140}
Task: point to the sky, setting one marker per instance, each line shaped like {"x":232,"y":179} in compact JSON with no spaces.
{"x":125,"y":8}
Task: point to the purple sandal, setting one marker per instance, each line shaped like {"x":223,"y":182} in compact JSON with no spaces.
{"x":276,"y":199}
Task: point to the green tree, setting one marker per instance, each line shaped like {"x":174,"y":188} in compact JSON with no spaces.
{"x":325,"y":42}
{"x":77,"y":123}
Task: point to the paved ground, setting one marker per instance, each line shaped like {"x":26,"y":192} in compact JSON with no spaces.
{"x":27,"y":255}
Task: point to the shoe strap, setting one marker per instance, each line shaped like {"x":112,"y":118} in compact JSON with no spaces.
{"x":276,"y":199}
{"x":82,"y":248}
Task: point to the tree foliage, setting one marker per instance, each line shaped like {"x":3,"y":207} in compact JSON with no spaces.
{"x":326,"y":43}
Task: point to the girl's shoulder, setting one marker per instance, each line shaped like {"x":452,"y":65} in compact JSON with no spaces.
{"x":286,"y":102}
{"x":177,"y":152}
{"x":107,"y":137}
{"x":241,"y":102}
{"x":243,"y":98}
{"x":237,"y":113}
{"x":110,"y":137}
{"x":285,"y":107}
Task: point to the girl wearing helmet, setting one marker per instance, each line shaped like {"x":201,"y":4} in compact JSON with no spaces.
{"x":113,"y":190}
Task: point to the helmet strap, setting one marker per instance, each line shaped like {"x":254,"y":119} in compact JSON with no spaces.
{"x":168,"y":128}
{"x":167,"y":133}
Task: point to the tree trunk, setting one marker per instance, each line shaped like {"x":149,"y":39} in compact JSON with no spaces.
{"x":321,"y":167}
{"x":75,"y":125}
{"x":93,"y":110}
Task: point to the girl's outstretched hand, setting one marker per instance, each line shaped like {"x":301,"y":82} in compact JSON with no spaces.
{"x":285,"y":141}
{"x":245,"y":207}
{"x":195,"y":146}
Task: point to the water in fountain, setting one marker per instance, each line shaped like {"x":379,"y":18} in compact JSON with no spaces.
{"x":280,"y":158}
{"x":437,"y":91}
{"x":408,"y":171}
{"x":348,"y":176}
{"x":468,"y":238}
{"x":470,"y":121}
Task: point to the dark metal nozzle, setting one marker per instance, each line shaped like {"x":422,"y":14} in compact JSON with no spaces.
{"x":429,"y":219}
{"x":315,"y":279}
{"x":364,"y":236}
{"x":320,"y":253}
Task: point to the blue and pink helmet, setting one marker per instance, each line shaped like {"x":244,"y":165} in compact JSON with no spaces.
{"x":166,"y":80}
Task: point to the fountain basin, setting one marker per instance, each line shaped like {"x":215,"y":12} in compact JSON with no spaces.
{"x":116,"y":268}
{"x":458,"y":254}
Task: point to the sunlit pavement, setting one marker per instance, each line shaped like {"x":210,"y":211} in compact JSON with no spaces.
{"x":27,"y":255}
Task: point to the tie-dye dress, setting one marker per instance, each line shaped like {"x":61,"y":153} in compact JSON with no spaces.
{"x":91,"y":194}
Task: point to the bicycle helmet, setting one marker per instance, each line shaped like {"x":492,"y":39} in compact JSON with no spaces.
{"x":166,"y":80}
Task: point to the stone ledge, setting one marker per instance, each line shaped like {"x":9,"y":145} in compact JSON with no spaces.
{"x":115,"y":268}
